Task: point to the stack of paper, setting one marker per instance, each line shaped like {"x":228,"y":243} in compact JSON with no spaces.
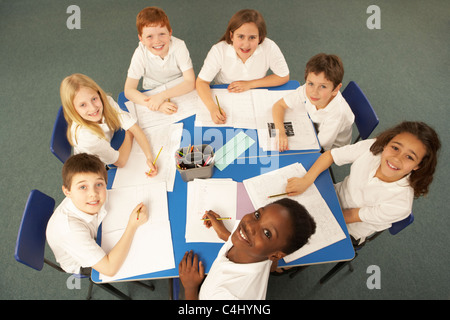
{"x":328,"y":230}
{"x":151,"y":249}
{"x":134,"y":171}
{"x":218,"y":195}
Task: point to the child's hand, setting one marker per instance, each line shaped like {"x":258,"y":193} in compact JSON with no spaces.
{"x":191,"y":274}
{"x":218,"y":116}
{"x":282,"y":141}
{"x":153,"y":169}
{"x":154,"y":102}
{"x":217,"y":225}
{"x":239,"y":86}
{"x":168,"y":108}
{"x":297,"y":186}
{"x":139,"y":215}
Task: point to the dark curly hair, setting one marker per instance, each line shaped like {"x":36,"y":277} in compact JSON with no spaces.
{"x":421,"y":178}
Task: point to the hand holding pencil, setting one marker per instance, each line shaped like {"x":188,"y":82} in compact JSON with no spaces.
{"x":152,"y":165}
{"x":212,"y":219}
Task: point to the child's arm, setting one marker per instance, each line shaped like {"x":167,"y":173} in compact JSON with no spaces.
{"x":278,"y":111}
{"x":112,"y":262}
{"x":191,"y":274}
{"x":124,"y":150}
{"x":299,"y":185}
{"x":269,"y":81}
{"x":218,"y":225}
{"x":132,"y":93}
{"x":204,"y":92}
{"x":141,"y":139}
{"x":351,"y":215}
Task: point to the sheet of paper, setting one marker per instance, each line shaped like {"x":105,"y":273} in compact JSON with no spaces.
{"x":218,"y":195}
{"x":303,"y":134}
{"x":187,"y":106}
{"x":237,"y":106}
{"x":151,"y":249}
{"x":328,"y":230}
{"x":133,"y":173}
{"x":232,"y":149}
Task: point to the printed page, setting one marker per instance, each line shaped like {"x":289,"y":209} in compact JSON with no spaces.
{"x":328,"y":230}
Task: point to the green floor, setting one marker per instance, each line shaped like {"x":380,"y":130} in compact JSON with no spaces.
{"x":403,"y":69}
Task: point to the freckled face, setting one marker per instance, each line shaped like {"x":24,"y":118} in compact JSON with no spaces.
{"x":319,"y":89}
{"x":156,"y":39}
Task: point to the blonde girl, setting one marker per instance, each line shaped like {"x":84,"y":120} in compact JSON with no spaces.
{"x":241,"y":58}
{"x":93,"y":118}
{"x":387,"y":173}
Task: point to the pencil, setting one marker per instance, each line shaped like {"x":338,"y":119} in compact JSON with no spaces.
{"x":154,"y":161}
{"x":226,"y":218}
{"x":278,"y":195}
{"x":139,"y":211}
{"x":220,"y":110}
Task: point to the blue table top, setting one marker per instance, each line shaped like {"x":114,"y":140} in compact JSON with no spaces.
{"x":252,"y":163}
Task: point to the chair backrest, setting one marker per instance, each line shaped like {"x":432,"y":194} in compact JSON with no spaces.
{"x":366,"y":119}
{"x":59,"y":145}
{"x":400,"y":225}
{"x":30,"y":244}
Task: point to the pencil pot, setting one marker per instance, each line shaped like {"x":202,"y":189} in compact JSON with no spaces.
{"x":195,"y":162}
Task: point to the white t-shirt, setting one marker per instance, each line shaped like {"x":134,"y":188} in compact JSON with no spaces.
{"x":227,"y":280}
{"x":71,"y":235}
{"x":157,"y":71}
{"x":87,"y":141}
{"x":223,"y":65}
{"x":381,"y":203}
{"x":334,"y":121}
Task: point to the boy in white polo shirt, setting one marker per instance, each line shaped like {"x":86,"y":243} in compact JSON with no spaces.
{"x":241,"y":269}
{"x":72,"y":229}
{"x":321,"y":98}
{"x":159,"y":58}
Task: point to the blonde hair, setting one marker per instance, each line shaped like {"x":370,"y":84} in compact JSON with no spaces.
{"x":68,"y":90}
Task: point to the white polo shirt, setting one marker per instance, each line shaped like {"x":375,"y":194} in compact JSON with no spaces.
{"x":381,"y":203}
{"x":157,"y":71}
{"x":86,"y":141}
{"x":71,"y":235}
{"x":223,"y":65}
{"x":227,"y":280}
{"x":334,"y":121}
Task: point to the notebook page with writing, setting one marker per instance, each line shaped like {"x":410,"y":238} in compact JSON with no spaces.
{"x":328,"y":230}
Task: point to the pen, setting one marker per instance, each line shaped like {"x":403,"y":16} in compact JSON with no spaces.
{"x":154,"y":161}
{"x":278,"y":195}
{"x":226,"y":218}
{"x":220,"y":110}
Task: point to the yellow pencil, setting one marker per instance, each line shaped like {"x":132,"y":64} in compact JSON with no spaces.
{"x":207,"y":219}
{"x":278,"y":195}
{"x":154,"y":161}
{"x":139,"y":211}
{"x":220,"y":110}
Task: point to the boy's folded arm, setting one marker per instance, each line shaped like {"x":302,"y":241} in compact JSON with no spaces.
{"x":132,"y":93}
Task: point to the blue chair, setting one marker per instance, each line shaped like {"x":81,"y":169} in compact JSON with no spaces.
{"x":366,"y":119}
{"x":30,"y":244}
{"x":393,"y":230}
{"x":59,"y":145}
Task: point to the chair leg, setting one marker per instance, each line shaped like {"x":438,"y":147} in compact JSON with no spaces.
{"x":333,"y":271}
{"x":109,"y":288}
{"x":89,"y":295}
{"x":147,"y":286}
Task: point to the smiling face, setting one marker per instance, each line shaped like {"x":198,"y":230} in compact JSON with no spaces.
{"x":88,"y":104}
{"x":262,"y":235}
{"x":87,"y":192}
{"x":156,"y":39}
{"x":245,"y":40}
{"x":319,"y":90}
{"x":400,"y":156}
